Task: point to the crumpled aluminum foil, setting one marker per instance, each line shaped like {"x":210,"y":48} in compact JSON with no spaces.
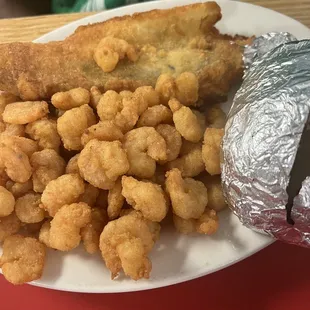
{"x":262,"y":136}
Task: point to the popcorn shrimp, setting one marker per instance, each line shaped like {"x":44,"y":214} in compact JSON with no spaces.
{"x":66,"y":189}
{"x":215,"y":117}
{"x":155,"y":115}
{"x":70,"y":99}
{"x":24,"y":112}
{"x":211,"y":150}
{"x":189,"y":197}
{"x":115,"y":200}
{"x":13,"y":130}
{"x":90,"y":195}
{"x":101,"y":163}
{"x":72,"y":166}
{"x":25,"y":145}
{"x":23,"y":259}
{"x":125,"y":244}
{"x":72,"y":124}
{"x":9,"y":225}
{"x":144,"y":146}
{"x":47,"y":166}
{"x":185,"y":121}
{"x":7,"y":202}
{"x":5,"y":99}
{"x":45,"y":132}
{"x":95,"y":95}
{"x":146,"y":197}
{"x":19,"y":189}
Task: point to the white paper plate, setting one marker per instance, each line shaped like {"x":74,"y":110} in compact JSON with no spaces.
{"x":175,"y":258}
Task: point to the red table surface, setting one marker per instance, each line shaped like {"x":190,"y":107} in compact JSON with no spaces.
{"x":278,"y":277}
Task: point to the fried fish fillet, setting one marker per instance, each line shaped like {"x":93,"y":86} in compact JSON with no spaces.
{"x":168,"y":41}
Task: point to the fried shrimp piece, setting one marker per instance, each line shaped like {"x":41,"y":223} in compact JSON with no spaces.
{"x":115,"y":200}
{"x":27,"y":208}
{"x":201,"y":119}
{"x":7,"y":202}
{"x":189,"y":197}
{"x":5,"y":99}
{"x":190,"y":162}
{"x":13,"y":130}
{"x":24,"y":112}
{"x":9,"y":225}
{"x":72,"y":124}
{"x":125,"y":244}
{"x":207,"y":223}
{"x":101,"y":163}
{"x":111,"y":50}
{"x":185,"y":121}
{"x":144,"y":146}
{"x":90,"y":195}
{"x":121,"y":111}
{"x":91,"y":232}
{"x":216,"y":200}
{"x":66,"y":189}
{"x":45,"y":132}
{"x":19,"y":189}
{"x":173,"y":141}
{"x":102,"y":131}
{"x":146,"y":96}
{"x":70,"y":99}
{"x":47,"y":166}
{"x":63,"y":233}
{"x":26,"y":145}
{"x":72,"y":166}
{"x":15,"y":163}
{"x":211,"y":150}
{"x":184,"y":88}
{"x":155,"y":115}
{"x":146,"y":197}
{"x":95,"y":96}
{"x":23,"y":259}
{"x":215,"y":116}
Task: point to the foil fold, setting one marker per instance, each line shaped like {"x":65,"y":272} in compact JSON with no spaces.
{"x":262,"y":136}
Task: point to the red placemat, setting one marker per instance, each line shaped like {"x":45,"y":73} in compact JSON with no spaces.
{"x":275,"y":278}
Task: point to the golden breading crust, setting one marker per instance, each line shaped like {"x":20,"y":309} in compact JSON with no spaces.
{"x":166,"y":41}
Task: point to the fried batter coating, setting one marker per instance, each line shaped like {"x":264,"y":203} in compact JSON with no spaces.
{"x":45,"y":132}
{"x":144,"y":146}
{"x":215,"y":116}
{"x":64,"y":233}
{"x":7,"y":202}
{"x":102,"y":131}
{"x":211,"y":150}
{"x":66,"y":189}
{"x":189,"y":197}
{"x":216,"y":200}
{"x":95,"y":96}
{"x":27,"y":208}
{"x":125,"y":244}
{"x":24,"y":112}
{"x":91,"y":232}
{"x":72,"y":124}
{"x":115,"y":200}
{"x":173,"y":141}
{"x":155,"y":115}
{"x":101,"y":163}
{"x":184,"y":88}
{"x":185,"y":121}
{"x":190,"y":163}
{"x":90,"y":195}
{"x":47,"y":166}
{"x":15,"y":163}
{"x":201,"y":119}
{"x":146,"y":96}
{"x":9,"y":225}
{"x":206,"y":224}
{"x":13,"y":130}
{"x":26,"y":145}
{"x":70,"y":99}
{"x":123,"y":112}
{"x":19,"y":189}
{"x":23,"y":259}
{"x":72,"y":166}
{"x":5,"y":99}
{"x":146,"y":197}
{"x":111,"y":50}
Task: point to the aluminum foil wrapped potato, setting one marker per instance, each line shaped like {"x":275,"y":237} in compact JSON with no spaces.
{"x":266,"y":146}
